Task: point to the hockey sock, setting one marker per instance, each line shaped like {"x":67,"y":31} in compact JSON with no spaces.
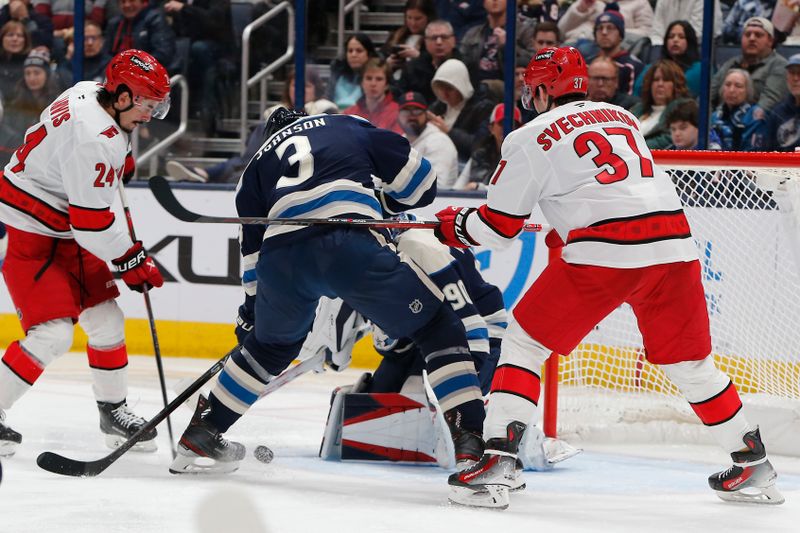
{"x":19,"y":372}
{"x":109,"y":370}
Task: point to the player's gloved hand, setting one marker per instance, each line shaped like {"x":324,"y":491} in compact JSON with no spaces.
{"x":453,"y":228}
{"x":129,"y":170}
{"x":244,"y":324}
{"x":138,"y":270}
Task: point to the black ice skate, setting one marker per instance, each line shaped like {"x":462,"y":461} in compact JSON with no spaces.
{"x":203,"y":450}
{"x":751,"y":478}
{"x":468,"y":444}
{"x":118,"y":422}
{"x":488,"y":482}
{"x":9,"y":439}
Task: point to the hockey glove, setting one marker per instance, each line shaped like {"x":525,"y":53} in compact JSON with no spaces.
{"x":129,"y":170}
{"x":453,"y":228}
{"x":137,"y":269}
{"x":244,"y":324}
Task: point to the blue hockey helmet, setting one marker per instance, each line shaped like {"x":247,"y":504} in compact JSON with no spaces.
{"x":280,"y":118}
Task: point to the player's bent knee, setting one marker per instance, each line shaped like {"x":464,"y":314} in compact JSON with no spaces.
{"x":519,"y":348}
{"x":49,"y":340}
{"x":444,"y":330}
{"x":104,"y":324}
{"x":697,"y":380}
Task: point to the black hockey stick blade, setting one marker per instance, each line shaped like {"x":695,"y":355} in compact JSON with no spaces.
{"x":58,"y":464}
{"x":166,"y":197}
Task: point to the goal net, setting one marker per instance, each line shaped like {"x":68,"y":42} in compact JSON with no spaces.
{"x":745,"y":220}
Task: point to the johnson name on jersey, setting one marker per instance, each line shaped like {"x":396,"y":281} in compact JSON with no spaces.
{"x":590,"y":170}
{"x":62,"y":181}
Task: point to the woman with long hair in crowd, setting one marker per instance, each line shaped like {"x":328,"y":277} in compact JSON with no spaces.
{"x":15,"y":43}
{"x":681,"y":46}
{"x":664,"y":87}
{"x":405,"y":43}
{"x":344,"y":87}
{"x":33,"y":93}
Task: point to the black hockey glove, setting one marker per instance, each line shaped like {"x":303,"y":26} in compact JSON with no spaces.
{"x":244,"y":324}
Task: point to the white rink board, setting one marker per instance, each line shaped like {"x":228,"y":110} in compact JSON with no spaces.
{"x":205,"y":288}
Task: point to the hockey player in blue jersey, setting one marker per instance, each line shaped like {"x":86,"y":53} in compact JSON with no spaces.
{"x":320,"y":167}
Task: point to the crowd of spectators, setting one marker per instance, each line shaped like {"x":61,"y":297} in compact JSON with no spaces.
{"x":439,"y":76}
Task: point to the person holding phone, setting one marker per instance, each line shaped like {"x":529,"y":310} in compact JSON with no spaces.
{"x":405,"y":43}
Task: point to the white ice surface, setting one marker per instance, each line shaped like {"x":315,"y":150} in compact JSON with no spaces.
{"x":632,"y":489}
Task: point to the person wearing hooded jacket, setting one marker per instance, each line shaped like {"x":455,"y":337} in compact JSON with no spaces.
{"x":459,"y":111}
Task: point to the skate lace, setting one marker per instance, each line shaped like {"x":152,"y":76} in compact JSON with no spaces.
{"x":126,"y":417}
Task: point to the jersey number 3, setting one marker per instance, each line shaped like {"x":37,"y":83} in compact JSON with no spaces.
{"x":607,"y":156}
{"x":302,"y":155}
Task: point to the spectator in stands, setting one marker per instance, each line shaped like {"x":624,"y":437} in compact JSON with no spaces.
{"x":142,"y":27}
{"x":482,"y":47}
{"x":62,"y":12}
{"x":39,"y":25}
{"x":519,"y":80}
{"x":428,"y":140}
{"x":95,"y":58}
{"x":578,"y":22}
{"x":540,"y":10}
{"x":460,"y":111}
{"x":683,"y":127}
{"x":783,"y":124}
{"x":741,"y":12}
{"x":440,"y":45}
{"x":604,"y":83}
{"x":461,"y":14}
{"x":666,"y":13}
{"x":9,"y":142}
{"x":664,"y":88}
{"x":486,"y":153}
{"x":33,"y":93}
{"x":377,"y":104}
{"x":545,"y":34}
{"x":609,"y":31}
{"x":228,"y":171}
{"x":207,"y":25}
{"x":681,"y":46}
{"x":739,"y":122}
{"x":766,"y":67}
{"x":15,"y":43}
{"x":344,"y":87}
{"x":405,"y":43}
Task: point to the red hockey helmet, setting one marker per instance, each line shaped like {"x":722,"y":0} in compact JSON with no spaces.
{"x":561,"y":71}
{"x":144,"y":76}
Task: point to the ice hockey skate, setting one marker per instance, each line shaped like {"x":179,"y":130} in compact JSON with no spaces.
{"x":203,"y":450}
{"x":488,"y":482}
{"x":118,"y":422}
{"x":468,"y":444}
{"x":9,"y":439}
{"x":751,"y":478}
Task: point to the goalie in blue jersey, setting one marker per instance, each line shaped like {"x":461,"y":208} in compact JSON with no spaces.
{"x":330,"y":166}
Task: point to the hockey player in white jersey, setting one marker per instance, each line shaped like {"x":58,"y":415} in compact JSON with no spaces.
{"x":55,"y":198}
{"x":627,"y":240}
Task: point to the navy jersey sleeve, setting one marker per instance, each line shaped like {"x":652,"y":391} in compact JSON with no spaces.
{"x":250,"y":203}
{"x":407,"y":179}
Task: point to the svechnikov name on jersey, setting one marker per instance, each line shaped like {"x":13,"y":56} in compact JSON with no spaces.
{"x":277,"y":137}
{"x":569,"y":123}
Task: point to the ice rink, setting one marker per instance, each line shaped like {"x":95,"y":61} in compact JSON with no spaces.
{"x":632,"y":489}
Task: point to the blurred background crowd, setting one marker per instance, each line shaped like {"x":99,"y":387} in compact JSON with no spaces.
{"x":433,"y":70}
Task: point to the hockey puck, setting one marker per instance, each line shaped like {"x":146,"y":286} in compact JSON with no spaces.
{"x":263,"y":454}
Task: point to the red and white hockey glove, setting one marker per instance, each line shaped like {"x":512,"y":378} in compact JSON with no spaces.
{"x":453,"y":228}
{"x":137,"y":269}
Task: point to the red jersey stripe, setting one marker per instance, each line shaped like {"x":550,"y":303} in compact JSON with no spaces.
{"x":509,"y":226}
{"x":90,"y":219}
{"x":35,"y":208}
{"x":22,"y":364}
{"x":719,"y":408}
{"x":635,"y":230}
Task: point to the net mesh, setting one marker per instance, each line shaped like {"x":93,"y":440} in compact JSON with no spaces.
{"x":748,"y":244}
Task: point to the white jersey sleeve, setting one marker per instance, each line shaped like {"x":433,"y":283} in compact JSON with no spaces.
{"x":589,"y":168}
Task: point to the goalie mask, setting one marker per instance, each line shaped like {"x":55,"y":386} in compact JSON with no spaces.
{"x":280,"y":118}
{"x":561,"y":71}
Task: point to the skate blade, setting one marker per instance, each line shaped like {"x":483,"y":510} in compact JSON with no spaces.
{"x":143,"y":446}
{"x":198,"y":465}
{"x":754,"y":495}
{"x":518,"y":485}
{"x":489,"y":496}
{"x":8,"y":448}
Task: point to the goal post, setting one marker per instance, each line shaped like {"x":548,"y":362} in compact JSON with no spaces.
{"x":744,"y":212}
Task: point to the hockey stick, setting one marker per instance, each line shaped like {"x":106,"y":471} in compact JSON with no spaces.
{"x":166,"y":197}
{"x":58,"y":464}
{"x":156,"y":348}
